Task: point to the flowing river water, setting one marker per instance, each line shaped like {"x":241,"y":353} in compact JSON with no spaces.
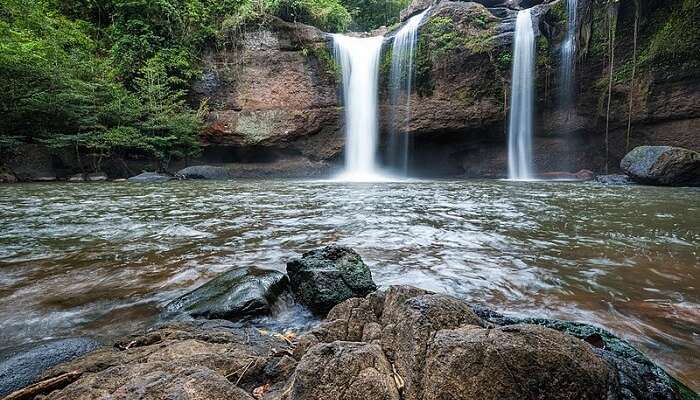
{"x":100,"y":259}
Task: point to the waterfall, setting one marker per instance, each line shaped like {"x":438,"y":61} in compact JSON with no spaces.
{"x":568,"y":57}
{"x":522,"y":96}
{"x":401,"y":77}
{"x":359,"y":63}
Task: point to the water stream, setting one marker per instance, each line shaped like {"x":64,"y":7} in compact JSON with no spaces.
{"x":400,"y":87}
{"x":520,"y":124}
{"x":101,"y":259}
{"x":359,"y":62}
{"x":568,"y":58}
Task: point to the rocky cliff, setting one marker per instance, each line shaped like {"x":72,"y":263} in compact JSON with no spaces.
{"x":274,"y":94}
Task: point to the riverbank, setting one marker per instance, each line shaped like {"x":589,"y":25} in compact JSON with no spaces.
{"x":400,"y":343}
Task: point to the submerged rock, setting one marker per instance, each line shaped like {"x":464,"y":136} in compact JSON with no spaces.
{"x":613,"y":179}
{"x":20,"y":367}
{"x":150,"y":177}
{"x":663,"y":165}
{"x":233,"y":295}
{"x":204,"y":172}
{"x":325,"y":277}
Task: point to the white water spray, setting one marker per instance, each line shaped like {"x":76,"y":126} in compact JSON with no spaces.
{"x":401,"y":78}
{"x":359,"y":63}
{"x":568,"y":57}
{"x":522,"y":100}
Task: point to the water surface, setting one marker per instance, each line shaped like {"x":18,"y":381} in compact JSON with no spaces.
{"x":100,"y":259}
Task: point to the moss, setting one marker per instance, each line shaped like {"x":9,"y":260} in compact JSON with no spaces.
{"x":674,"y":44}
{"x":504,"y":60}
{"x":328,"y":64}
{"x":440,"y":36}
{"x":544,"y":56}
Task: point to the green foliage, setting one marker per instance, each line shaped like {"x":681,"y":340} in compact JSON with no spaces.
{"x":325,"y":59}
{"x":674,"y":45}
{"x":371,"y":14}
{"x":328,"y":15}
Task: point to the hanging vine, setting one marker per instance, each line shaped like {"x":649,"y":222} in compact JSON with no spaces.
{"x":612,"y":27}
{"x":637,"y":12}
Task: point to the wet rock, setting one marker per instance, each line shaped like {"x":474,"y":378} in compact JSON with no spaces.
{"x":344,"y":371}
{"x":404,"y":343}
{"x":7,"y":177}
{"x":582,"y":175}
{"x":613,"y":179}
{"x":663,"y":165}
{"x":44,"y":178}
{"x":637,"y":378}
{"x":204,"y":172}
{"x":514,"y":362}
{"x":235,"y":294}
{"x":209,"y":359}
{"x":76,"y":178}
{"x":322,"y":278}
{"x":150,"y":177}
{"x":409,"y":327}
{"x":20,"y":367}
{"x":96,"y":177}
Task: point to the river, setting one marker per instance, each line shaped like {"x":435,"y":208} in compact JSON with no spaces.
{"x":100,"y":259}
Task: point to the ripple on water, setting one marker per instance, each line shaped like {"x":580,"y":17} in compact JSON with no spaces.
{"x":101,"y":259}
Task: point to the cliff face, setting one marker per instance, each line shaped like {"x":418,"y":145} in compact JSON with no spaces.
{"x":275,"y":94}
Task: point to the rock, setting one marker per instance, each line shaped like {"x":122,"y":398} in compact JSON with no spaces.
{"x":44,"y":178}
{"x":344,"y":371}
{"x":582,"y":175}
{"x":637,"y":377}
{"x":325,"y":277}
{"x":514,"y":362}
{"x":280,"y":100}
{"x":414,"y":345}
{"x":409,"y":327}
{"x":76,"y":178}
{"x":20,"y":367}
{"x":150,"y":177}
{"x":96,"y":177}
{"x":7,"y":177}
{"x":204,"y":172}
{"x":662,"y":165}
{"x":613,"y":179}
{"x":235,"y":294}
{"x":207,"y":360}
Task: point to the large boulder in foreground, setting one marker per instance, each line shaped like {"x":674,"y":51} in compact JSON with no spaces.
{"x":233,"y":295}
{"x":512,"y":362}
{"x":344,"y":371}
{"x":325,"y":277}
{"x":404,"y":343}
{"x":20,"y":367}
{"x":663,"y":165}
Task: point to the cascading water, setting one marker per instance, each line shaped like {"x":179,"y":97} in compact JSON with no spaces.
{"x":359,"y":63}
{"x":400,"y":84}
{"x":522,"y":96}
{"x":568,"y":57}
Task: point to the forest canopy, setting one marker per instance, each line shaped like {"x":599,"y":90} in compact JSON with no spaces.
{"x":105,"y":77}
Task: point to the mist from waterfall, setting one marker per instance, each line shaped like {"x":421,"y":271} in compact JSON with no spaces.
{"x":359,"y":63}
{"x":401,"y":78}
{"x":522,"y":100}
{"x":568,"y":58}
